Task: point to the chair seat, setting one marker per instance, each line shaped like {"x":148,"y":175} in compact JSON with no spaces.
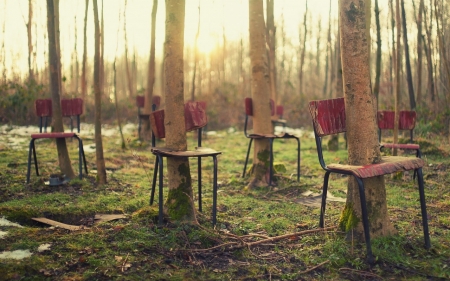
{"x":198,"y":152}
{"x":57,"y":135}
{"x":280,"y":136}
{"x":411,"y":146}
{"x":280,"y":121}
{"x":388,"y":165}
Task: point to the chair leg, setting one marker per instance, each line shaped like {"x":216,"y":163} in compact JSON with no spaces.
{"x":80,"y":156}
{"x":424,"y":209}
{"x":270,"y":161}
{"x":139,"y":127}
{"x":155,"y":175}
{"x":298,"y":159}
{"x":214,"y":208}
{"x":246,"y":158}
{"x":362,"y":198}
{"x":324,"y":199}
{"x":160,"y":216}
{"x":30,"y":151}
{"x":199,"y":172}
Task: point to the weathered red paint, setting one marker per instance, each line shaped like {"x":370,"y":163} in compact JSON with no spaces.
{"x":328,"y":116}
{"x":407,"y":120}
{"x":71,"y":107}
{"x":43,"y":107}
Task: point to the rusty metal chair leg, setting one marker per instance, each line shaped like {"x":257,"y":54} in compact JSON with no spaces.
{"x":423,"y":207}
{"x":215,"y":187}
{"x":199,"y":173}
{"x":246,"y":158}
{"x":298,"y":159}
{"x":161,"y":212}
{"x":155,"y":176}
{"x":270,"y":161}
{"x":362,"y":198}
{"x":324,"y":199}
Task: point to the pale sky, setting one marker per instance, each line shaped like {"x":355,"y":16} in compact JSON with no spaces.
{"x":216,"y":16}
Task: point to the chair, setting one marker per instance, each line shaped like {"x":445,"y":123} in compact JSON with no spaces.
{"x":140,"y":103}
{"x":195,"y":118}
{"x":43,"y":108}
{"x":72,"y":108}
{"x":328,"y":118}
{"x":32,"y":150}
{"x":279,"y":121}
{"x":407,"y":121}
{"x":270,"y":137}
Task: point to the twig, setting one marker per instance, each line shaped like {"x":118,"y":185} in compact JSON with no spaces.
{"x":314,"y":267}
{"x":360,"y":272}
{"x":125,"y":261}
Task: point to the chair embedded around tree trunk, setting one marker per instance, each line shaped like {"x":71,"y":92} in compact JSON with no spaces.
{"x":328,"y":118}
{"x":195,"y":119}
{"x":140,"y":103}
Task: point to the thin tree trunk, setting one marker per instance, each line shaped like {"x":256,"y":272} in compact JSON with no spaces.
{"x":260,"y":93}
{"x":195,"y":57}
{"x":116,"y":103}
{"x":442,"y":50}
{"x":428,"y":53}
{"x":419,"y":52}
{"x":303,"y":51}
{"x":127,"y":66}
{"x":179,"y":203}
{"x":412,"y":99}
{"x":397,"y":73}
{"x":83,"y":67}
{"x":360,"y":108}
{"x":100,"y":160}
{"x":376,"y":88}
{"x":150,"y":75}
{"x":55,"y":85}
{"x":29,"y":37}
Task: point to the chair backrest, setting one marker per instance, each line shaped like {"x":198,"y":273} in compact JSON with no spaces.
{"x":328,"y":116}
{"x":71,"y":107}
{"x":407,"y":121}
{"x":43,"y":107}
{"x":248,"y":106}
{"x":279,"y":111}
{"x":194,"y":118}
{"x":140,"y":101}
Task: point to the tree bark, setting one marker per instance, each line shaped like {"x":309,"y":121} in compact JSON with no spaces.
{"x":29,"y":37}
{"x":260,"y":93}
{"x":150,"y":76}
{"x":100,"y":160}
{"x":179,"y":204}
{"x":194,"y":72}
{"x":419,"y":52}
{"x":303,"y":51}
{"x":376,"y":87}
{"x":84,"y":62}
{"x":55,"y":85}
{"x":271,"y":42}
{"x":360,"y":106}
{"x":412,"y":98}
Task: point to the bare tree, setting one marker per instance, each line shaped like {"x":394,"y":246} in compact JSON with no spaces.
{"x":29,"y":37}
{"x":376,"y":87}
{"x":271,"y":42}
{"x":412,"y":99}
{"x":83,"y":66}
{"x":100,"y":160}
{"x":303,"y":49}
{"x":360,"y":109}
{"x":179,"y":203}
{"x":55,"y":85}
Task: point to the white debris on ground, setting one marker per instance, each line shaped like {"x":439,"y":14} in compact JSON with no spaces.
{"x":17,"y":254}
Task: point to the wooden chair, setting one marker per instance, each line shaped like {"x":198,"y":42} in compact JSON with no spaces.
{"x":195,"y":119}
{"x":407,"y":121}
{"x":270,"y":137}
{"x":328,"y":118}
{"x":43,"y":108}
{"x":140,"y":103}
{"x":72,"y":108}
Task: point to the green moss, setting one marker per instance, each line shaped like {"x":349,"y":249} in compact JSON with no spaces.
{"x":348,"y":219}
{"x":264,"y":156}
{"x":179,"y":204}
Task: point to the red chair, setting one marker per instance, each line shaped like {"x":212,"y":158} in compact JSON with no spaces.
{"x":328,"y":118}
{"x":43,"y":108}
{"x":270,"y":137}
{"x":195,"y":119}
{"x":72,"y":108}
{"x":407,"y":121}
{"x":279,"y":110}
{"x":140,"y":103}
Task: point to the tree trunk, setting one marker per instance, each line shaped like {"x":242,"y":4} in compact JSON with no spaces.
{"x":29,"y":37}
{"x":419,"y":52}
{"x":55,"y":85}
{"x":360,"y":106}
{"x":83,"y":66}
{"x":260,"y":93}
{"x":428,"y":51}
{"x":376,"y":87}
{"x":397,"y":74}
{"x":150,"y":76}
{"x":412,"y":99}
{"x":100,"y":160}
{"x":195,"y":57}
{"x":271,"y":42}
{"x":303,"y":51}
{"x":116,"y":103}
{"x":127,"y":64}
{"x":179,"y":204}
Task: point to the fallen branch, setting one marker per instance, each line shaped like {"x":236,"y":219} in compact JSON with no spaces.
{"x":360,"y":272}
{"x":314,"y":267}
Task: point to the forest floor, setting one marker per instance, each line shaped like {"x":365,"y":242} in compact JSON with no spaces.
{"x":261,"y":234}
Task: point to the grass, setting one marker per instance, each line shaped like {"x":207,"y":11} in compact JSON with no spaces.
{"x":135,"y":248}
